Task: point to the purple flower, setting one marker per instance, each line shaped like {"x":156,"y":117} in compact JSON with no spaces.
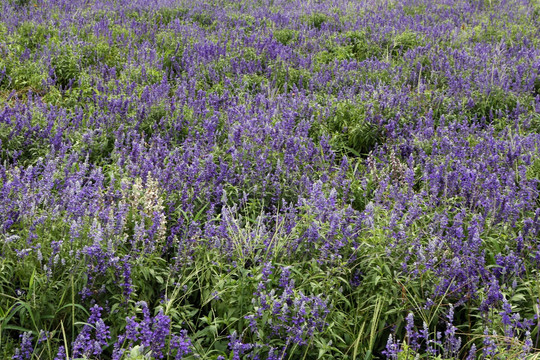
{"x":93,"y":336}
{"x":26,"y":349}
{"x":61,"y":354}
{"x":392,"y":349}
{"x":182,"y":344}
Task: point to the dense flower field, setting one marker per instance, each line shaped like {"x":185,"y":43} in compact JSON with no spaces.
{"x":269,"y":179}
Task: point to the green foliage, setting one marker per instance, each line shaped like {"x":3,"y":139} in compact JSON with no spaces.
{"x":154,"y":118}
{"x":350,"y":132}
{"x":286,"y":36}
{"x":361,"y":47}
{"x":536,"y":90}
{"x":251,"y":54}
{"x":66,"y":69}
{"x":400,"y":43}
{"x":209,"y":287}
{"x":21,"y":76}
{"x":489,"y":104}
{"x":243,"y":21}
{"x":166,"y":41}
{"x":254,"y":82}
{"x":533,"y":171}
{"x":120,"y":34}
{"x":536,"y":10}
{"x":3,"y":33}
{"x":166,"y":15}
{"x":31,"y":36}
{"x":496,"y":31}
{"x":412,"y":10}
{"x":338,"y":53}
{"x":362,"y":190}
{"x":27,"y":148}
{"x":100,"y":149}
{"x":149,"y":76}
{"x":534,"y":125}
{"x":205,"y":20}
{"x":316,"y":19}
{"x":172,"y":65}
{"x":355,"y":47}
{"x":35,"y":301}
{"x":287,"y":77}
{"x":21,"y":2}
{"x":100,"y":53}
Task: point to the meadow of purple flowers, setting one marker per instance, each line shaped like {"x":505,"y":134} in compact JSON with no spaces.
{"x":269,"y":179}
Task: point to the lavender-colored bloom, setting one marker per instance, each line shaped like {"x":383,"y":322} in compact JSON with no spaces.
{"x":490,"y":346}
{"x":93,"y":336}
{"x":26,"y":349}
{"x":237,"y":347}
{"x":452,"y":342}
{"x":527,"y":345}
{"x":472,"y":353}
{"x":392,"y":348}
{"x":181,"y":343}
{"x":411,"y":334}
{"x":61,"y":354}
{"x":152,"y":334}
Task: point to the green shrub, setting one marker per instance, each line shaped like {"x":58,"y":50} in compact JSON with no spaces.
{"x":205,"y":20}
{"x":286,"y":36}
{"x":488,"y":104}
{"x":351,"y":133}
{"x":101,"y":53}
{"x":356,"y":45}
{"x":153,"y":118}
{"x":414,"y":10}
{"x":287,"y":77}
{"x":536,"y":90}
{"x":101,"y":149}
{"x":31,"y":36}
{"x":533,"y":170}
{"x":242,"y":21}
{"x":254,"y":82}
{"x":405,"y":41}
{"x":166,"y":15}
{"x":362,"y":48}
{"x":316,"y":19}
{"x":20,"y":2}
{"x":66,"y":69}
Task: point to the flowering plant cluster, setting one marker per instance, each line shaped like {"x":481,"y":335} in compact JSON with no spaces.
{"x":272,"y":179}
